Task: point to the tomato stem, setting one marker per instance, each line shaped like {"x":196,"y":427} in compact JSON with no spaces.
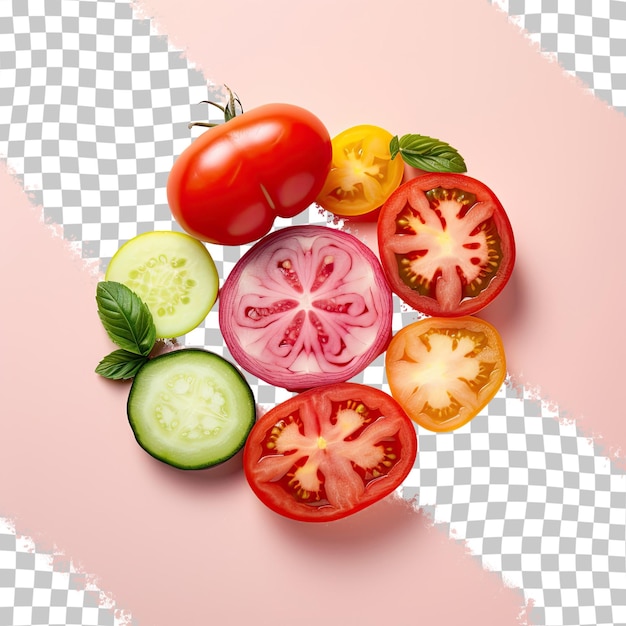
{"x":229,"y":110}
{"x":206,"y":124}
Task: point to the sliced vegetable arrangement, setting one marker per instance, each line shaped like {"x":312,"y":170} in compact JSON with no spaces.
{"x":308,"y":308}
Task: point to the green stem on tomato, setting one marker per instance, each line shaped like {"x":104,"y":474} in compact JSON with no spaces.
{"x":206,"y":124}
{"x":229,"y":110}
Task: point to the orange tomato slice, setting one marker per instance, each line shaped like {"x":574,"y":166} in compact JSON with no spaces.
{"x":443,"y":371}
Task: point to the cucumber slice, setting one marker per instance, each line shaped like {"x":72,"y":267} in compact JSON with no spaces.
{"x":173,"y":273}
{"x":190,"y":408}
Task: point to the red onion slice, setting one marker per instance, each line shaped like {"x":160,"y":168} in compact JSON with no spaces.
{"x":306,"y":306}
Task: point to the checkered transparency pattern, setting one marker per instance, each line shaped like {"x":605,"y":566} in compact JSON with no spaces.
{"x":587,"y":37}
{"x":94,"y":106}
{"x":34,"y":591}
{"x":531,"y":498}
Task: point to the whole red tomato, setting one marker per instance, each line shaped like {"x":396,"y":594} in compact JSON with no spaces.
{"x":231,"y":183}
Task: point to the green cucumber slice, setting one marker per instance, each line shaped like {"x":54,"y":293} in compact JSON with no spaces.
{"x":190,"y":408}
{"x":173,"y":273}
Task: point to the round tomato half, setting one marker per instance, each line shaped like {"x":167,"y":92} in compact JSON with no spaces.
{"x":230,"y":184}
{"x":443,"y":371}
{"x":362,"y":174}
{"x":446,"y":244}
{"x":329,"y":452}
{"x":306,"y":306}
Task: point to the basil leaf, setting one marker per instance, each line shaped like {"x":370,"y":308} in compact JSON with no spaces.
{"x":121,"y":365}
{"x":394,"y":147}
{"x":126,"y":319}
{"x":428,"y":154}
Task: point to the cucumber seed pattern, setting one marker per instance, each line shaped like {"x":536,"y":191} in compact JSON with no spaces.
{"x":192,"y":407}
{"x":163,"y":283}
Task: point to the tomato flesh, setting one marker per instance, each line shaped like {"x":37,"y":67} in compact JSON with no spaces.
{"x":329,"y":452}
{"x":443,"y":371}
{"x":231,"y":183}
{"x":306,"y":306}
{"x":362,"y":173}
{"x":446,"y":244}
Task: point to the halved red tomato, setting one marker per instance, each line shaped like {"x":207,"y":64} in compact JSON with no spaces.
{"x":446,"y":244}
{"x":443,"y":371}
{"x":306,"y":306}
{"x":329,"y":452}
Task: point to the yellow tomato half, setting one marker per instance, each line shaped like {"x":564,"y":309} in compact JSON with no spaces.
{"x":362,"y":174}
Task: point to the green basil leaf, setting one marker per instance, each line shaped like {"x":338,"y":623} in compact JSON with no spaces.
{"x":394,"y":147}
{"x":126,"y":319}
{"x":429,"y":154}
{"x":121,"y":365}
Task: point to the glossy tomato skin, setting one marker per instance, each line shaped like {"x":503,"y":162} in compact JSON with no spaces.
{"x":446,"y":244}
{"x":230,"y":184}
{"x":444,"y":370}
{"x":330,"y":452}
{"x":306,"y":306}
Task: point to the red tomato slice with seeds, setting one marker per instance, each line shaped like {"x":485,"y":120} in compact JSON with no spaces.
{"x":306,"y":306}
{"x":443,"y":371}
{"x":446,"y":244}
{"x":329,"y":452}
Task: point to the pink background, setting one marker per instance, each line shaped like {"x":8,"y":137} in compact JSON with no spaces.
{"x":175,"y":548}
